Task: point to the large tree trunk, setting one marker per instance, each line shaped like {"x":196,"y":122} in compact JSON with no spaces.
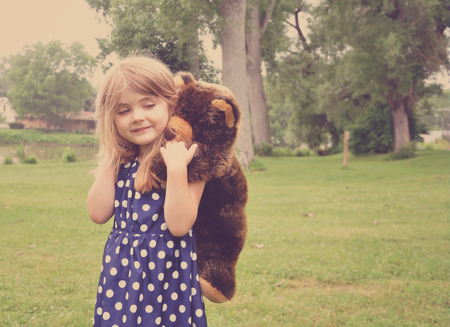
{"x":400,"y":120}
{"x":258,"y":106}
{"x":234,"y":70}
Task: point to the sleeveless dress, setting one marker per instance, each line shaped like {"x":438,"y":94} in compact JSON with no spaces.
{"x":149,"y":277}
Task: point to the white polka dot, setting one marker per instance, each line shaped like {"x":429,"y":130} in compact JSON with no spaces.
{"x":177,"y":253}
{"x":183,"y":244}
{"x":137,"y":265}
{"x":124,"y":262}
{"x":123,"y":224}
{"x":194,"y":256}
{"x":130,"y":193}
{"x":161,"y":254}
{"x":199,"y":313}
{"x":116,"y":204}
{"x":117,"y":250}
{"x":125,"y":241}
{"x":135,"y":216}
{"x":133,"y":308}
{"x":135,"y":243}
{"x":127,"y":165}
{"x":124,"y":203}
{"x":159,"y":299}
{"x":119,"y":306}
{"x":152,"y":243}
{"x":164,"y":308}
{"x":155,"y":217}
{"x":124,"y":319}
{"x":158,"y":320}
{"x":170,"y":244}
{"x":151,"y":265}
{"x":168,"y":264}
{"x":137,"y":195}
{"x":175,"y":274}
{"x":141,"y":297}
{"x":127,"y":184}
{"x":113,"y":271}
{"x":122,"y":284}
{"x":120,"y":183}
{"x":163,"y":226}
{"x":143,"y":253}
{"x":99,"y":311}
{"x":146,"y":207}
{"x":193,"y":291}
{"x":161,"y":276}
{"x":107,"y":259}
{"x":155,"y":196}
{"x":149,"y":309}
{"x":109,"y":293}
{"x":183,"y":287}
{"x":136,"y":286}
{"x":184,"y":265}
{"x":131,"y":251}
{"x":139,"y":320}
{"x":182,"y":308}
{"x":106,"y":315}
{"x":174,"y":296}
{"x":173,"y":318}
{"x":143,"y":228}
{"x":166,"y":286}
{"x":151,"y":287}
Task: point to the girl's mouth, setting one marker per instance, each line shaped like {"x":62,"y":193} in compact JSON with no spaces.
{"x":141,"y":129}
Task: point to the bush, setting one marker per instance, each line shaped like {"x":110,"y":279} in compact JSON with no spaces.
{"x":30,"y":160}
{"x":372,"y":132}
{"x":256,"y":165}
{"x":8,"y":161}
{"x":302,"y":152}
{"x":282,"y":152}
{"x":16,"y":126}
{"x":69,"y":155}
{"x":264,"y":149}
{"x":406,"y":152}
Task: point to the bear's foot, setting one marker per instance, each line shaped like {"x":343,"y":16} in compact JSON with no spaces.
{"x":211,"y":293}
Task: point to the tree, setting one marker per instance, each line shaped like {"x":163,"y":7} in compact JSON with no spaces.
{"x":164,"y":28}
{"x":385,"y":51}
{"x":234,"y":69}
{"x":258,"y":24}
{"x":48,"y":82}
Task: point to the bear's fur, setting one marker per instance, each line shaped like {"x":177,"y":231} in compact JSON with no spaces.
{"x":208,"y":115}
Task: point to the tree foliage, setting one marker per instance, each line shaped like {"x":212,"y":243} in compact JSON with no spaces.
{"x":48,"y":82}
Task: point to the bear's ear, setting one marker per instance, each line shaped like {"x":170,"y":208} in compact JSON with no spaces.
{"x":184,"y":79}
{"x":224,"y":106}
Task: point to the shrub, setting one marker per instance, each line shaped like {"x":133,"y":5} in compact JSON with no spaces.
{"x":302,"y":152}
{"x":30,"y":160}
{"x":16,"y":125}
{"x":282,"y":152}
{"x":8,"y":161}
{"x":264,"y":149}
{"x":406,"y":152}
{"x":256,"y":165}
{"x":69,"y":155}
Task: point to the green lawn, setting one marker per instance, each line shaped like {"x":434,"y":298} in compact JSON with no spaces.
{"x":363,"y":246}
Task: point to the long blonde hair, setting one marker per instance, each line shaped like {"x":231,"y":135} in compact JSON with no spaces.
{"x":144,"y":75}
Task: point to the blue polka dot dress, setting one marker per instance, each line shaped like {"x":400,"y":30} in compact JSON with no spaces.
{"x":149,"y":277}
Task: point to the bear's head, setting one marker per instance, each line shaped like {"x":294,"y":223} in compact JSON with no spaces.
{"x":208,"y":115}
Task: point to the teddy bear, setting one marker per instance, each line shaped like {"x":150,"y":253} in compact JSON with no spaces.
{"x":208,"y":115}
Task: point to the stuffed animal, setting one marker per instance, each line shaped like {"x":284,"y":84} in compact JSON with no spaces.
{"x":208,"y":115}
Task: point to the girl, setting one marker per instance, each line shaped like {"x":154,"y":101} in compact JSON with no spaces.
{"x":149,"y":273}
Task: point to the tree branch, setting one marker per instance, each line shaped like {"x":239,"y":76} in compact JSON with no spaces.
{"x":266,"y":18}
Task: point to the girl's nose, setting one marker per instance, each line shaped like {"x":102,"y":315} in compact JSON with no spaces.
{"x":138,"y":114}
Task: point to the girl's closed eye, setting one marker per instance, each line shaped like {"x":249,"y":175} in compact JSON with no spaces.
{"x":123,"y":110}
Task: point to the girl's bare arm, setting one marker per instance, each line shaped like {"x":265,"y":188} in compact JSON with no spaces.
{"x":182,"y":198}
{"x":100,"y":200}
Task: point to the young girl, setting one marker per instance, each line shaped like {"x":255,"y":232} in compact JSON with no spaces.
{"x":149,"y":273}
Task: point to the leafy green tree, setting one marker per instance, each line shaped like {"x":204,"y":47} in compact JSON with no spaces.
{"x":48,"y":82}
{"x":384,"y":51}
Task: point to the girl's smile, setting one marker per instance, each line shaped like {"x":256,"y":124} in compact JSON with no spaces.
{"x":140,"y":118}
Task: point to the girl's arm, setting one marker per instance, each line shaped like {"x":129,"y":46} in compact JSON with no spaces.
{"x":182,"y":198}
{"x":100,"y":200}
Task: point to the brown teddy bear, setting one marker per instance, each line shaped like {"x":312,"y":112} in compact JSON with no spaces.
{"x":208,"y":115}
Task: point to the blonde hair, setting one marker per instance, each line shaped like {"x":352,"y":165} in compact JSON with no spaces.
{"x":146,"y":76}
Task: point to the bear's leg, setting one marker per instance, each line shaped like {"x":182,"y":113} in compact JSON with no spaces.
{"x":211,"y":293}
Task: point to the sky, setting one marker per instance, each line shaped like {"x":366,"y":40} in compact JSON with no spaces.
{"x":26,"y":22}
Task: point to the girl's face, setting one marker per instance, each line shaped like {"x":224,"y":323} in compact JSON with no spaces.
{"x":140,"y":118}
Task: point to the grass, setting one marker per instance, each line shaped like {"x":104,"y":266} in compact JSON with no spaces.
{"x":362,"y":246}
{"x":20,"y":136}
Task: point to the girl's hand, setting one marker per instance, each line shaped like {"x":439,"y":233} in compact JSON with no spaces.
{"x":176,"y":154}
